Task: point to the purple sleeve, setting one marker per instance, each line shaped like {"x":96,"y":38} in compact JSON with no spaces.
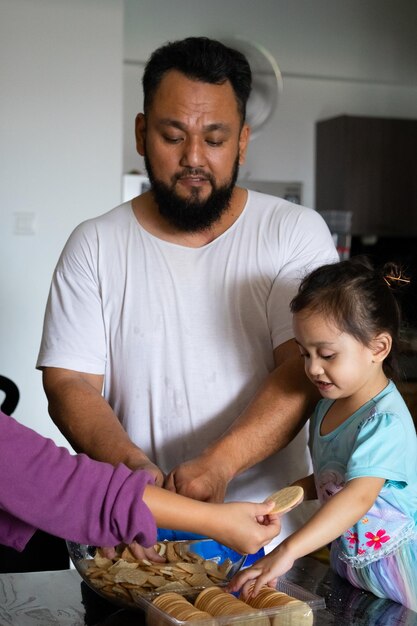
{"x":71,"y":496}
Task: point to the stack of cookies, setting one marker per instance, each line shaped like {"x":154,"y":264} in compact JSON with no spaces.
{"x":179,"y":608}
{"x":268,"y":598}
{"x":219,"y":603}
{"x":214,"y":602}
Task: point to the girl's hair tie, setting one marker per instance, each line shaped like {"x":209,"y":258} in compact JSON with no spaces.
{"x":396,"y":279}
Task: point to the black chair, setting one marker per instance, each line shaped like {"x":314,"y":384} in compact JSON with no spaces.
{"x":43,"y":552}
{"x":12,"y":395}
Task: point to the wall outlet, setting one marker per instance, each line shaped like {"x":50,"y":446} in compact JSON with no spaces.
{"x":24,"y":223}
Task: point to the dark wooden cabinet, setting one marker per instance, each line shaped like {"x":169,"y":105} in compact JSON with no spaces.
{"x":369,"y":166}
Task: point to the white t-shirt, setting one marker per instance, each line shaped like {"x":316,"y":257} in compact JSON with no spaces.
{"x":185,"y":336}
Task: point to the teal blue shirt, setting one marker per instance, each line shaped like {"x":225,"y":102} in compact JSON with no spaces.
{"x":377,"y":440}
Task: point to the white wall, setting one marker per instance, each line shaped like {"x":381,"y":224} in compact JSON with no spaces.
{"x":337,"y":57}
{"x":60,"y":159}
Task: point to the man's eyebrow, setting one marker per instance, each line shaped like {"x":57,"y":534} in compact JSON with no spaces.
{"x":166,"y":121}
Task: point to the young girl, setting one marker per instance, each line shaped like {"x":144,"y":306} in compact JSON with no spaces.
{"x":364,"y":446}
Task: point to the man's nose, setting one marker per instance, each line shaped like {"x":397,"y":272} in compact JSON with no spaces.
{"x":193,"y":154}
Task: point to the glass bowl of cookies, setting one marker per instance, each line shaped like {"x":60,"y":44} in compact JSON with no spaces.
{"x":190,"y":566}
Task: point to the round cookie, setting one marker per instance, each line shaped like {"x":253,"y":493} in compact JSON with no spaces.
{"x":286,"y":499}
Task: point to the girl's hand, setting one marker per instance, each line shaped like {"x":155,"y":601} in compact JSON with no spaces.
{"x":266,"y":571}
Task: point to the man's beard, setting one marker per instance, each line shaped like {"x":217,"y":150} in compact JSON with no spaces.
{"x":192,"y":214}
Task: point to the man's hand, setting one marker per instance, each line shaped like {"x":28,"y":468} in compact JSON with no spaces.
{"x":89,"y":423}
{"x":273,"y":418}
{"x":200,"y":479}
{"x":153,"y":469}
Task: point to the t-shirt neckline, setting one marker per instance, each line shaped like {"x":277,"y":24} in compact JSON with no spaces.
{"x":172,"y":244}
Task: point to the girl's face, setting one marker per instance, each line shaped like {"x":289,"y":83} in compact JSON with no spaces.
{"x":338,"y":364}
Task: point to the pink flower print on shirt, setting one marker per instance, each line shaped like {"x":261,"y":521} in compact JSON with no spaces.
{"x":377,"y":540}
{"x":352,"y":538}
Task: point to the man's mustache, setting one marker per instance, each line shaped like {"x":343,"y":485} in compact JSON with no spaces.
{"x":193,"y":171}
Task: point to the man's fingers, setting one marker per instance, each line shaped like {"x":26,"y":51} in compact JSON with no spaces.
{"x":156,"y":473}
{"x":169,"y":483}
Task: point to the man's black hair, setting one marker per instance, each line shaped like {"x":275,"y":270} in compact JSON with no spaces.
{"x":202,"y":59}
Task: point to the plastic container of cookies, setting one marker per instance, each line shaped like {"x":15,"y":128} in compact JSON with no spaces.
{"x":298,"y":612}
{"x":205,"y":566}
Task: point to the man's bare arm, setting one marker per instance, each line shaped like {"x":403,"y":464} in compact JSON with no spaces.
{"x":87,"y":420}
{"x":276,"y":414}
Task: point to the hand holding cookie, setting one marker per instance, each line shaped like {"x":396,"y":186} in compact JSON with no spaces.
{"x":286,"y":499}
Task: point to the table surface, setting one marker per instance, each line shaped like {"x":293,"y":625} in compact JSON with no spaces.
{"x":63,"y":599}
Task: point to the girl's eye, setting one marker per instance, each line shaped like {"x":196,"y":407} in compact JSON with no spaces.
{"x":327,"y":356}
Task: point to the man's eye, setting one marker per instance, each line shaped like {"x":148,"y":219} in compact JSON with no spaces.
{"x":213,"y":143}
{"x":170,"y":139}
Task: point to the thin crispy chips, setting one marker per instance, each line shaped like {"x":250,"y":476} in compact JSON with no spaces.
{"x":128,"y":578}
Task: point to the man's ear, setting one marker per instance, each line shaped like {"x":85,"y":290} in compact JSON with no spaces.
{"x":140,"y":128}
{"x":381,"y":347}
{"x":243,"y":143}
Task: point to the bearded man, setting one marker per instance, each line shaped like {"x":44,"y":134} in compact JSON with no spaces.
{"x":167,"y":340}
